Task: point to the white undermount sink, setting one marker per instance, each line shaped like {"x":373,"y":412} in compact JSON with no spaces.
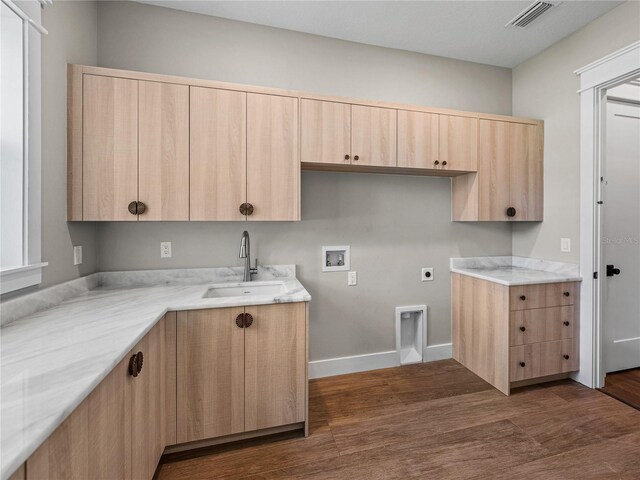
{"x":246,"y":289}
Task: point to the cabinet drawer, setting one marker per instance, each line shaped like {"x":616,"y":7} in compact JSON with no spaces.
{"x":542,"y":359}
{"x":523,"y":297}
{"x":542,"y":325}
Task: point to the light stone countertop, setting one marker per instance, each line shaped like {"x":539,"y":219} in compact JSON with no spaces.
{"x":510,"y":271}
{"x":53,"y":358}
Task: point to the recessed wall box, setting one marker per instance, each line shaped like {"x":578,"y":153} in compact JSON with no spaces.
{"x":336,"y":258}
{"x":411,"y":330}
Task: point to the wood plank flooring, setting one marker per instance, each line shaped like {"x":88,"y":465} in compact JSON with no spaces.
{"x":437,"y":421}
{"x":624,"y":386}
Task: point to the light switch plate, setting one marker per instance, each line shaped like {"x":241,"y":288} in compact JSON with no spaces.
{"x":565,"y":245}
{"x":352,"y":278}
{"x":165,"y":249}
{"x":77,"y":254}
{"x":427,"y":274}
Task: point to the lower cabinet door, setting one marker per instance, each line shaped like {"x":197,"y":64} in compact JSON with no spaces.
{"x":542,"y":359}
{"x":275,"y":365}
{"x":94,"y":442}
{"x":147,"y":403}
{"x":210,"y":374}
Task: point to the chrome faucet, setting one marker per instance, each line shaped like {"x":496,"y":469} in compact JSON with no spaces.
{"x":245,"y":252}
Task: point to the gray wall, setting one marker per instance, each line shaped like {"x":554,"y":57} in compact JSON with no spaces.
{"x":71,"y":39}
{"x":545,"y":87}
{"x":394,"y":224}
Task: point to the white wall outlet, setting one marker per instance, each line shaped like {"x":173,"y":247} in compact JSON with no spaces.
{"x":352,"y":278}
{"x":427,"y":274}
{"x":565,"y":245}
{"x":165,"y":249}
{"x":77,"y":254}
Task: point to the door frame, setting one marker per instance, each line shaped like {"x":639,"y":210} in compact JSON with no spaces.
{"x":595,"y":79}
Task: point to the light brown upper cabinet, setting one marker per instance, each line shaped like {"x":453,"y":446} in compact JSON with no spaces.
{"x":245,"y":162}
{"x":153,"y":147}
{"x":418,"y":140}
{"x":109,"y":148}
{"x":218,"y":138}
{"x":508,"y":185}
{"x":510,"y":171}
{"x":373,"y":136}
{"x":325,"y":132}
{"x":458,"y":143}
{"x":133,"y":163}
{"x":163,"y":158}
{"x":273,"y":158}
{"x":526,"y":171}
{"x":335,"y":133}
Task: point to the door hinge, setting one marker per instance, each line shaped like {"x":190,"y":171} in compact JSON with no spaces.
{"x":595,"y":275}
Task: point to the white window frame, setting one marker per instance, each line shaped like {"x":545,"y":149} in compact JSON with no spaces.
{"x":30,"y":273}
{"x":595,"y":79}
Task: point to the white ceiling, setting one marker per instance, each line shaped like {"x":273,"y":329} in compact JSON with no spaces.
{"x":466,"y":30}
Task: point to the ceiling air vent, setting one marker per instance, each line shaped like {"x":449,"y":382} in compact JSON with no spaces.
{"x":531,"y":13}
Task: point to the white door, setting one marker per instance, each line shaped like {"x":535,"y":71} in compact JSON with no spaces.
{"x":621,"y":237}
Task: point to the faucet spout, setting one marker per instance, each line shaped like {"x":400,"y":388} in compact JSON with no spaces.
{"x":245,"y":252}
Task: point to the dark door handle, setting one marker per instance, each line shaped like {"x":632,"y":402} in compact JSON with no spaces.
{"x":612,"y":270}
{"x":522,"y":364}
{"x":522,"y":329}
{"x":511,"y":212}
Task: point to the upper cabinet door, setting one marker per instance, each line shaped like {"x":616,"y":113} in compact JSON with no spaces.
{"x":218,"y":170}
{"x":493,"y":171}
{"x":273,"y":162}
{"x":373,"y":136}
{"x":325,"y":132}
{"x":275,"y":366}
{"x":109,"y":148}
{"x":163,"y":163}
{"x":526,"y":171}
{"x":417,"y":139}
{"x":459,"y":143}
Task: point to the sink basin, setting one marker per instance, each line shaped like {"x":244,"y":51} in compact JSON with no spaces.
{"x":246,"y":289}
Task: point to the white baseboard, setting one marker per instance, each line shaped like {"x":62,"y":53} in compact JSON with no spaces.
{"x":353,"y":364}
{"x":437,"y":352}
{"x":371,"y":361}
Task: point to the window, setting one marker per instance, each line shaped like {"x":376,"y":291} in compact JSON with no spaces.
{"x":19,"y":267}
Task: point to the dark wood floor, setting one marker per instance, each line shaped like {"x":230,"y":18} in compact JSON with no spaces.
{"x":439,"y":421}
{"x":624,"y":386}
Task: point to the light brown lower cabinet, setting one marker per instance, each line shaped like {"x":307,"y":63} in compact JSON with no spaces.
{"x":118,"y":431}
{"x":240,"y":369}
{"x":511,"y":335}
{"x":204,"y":375}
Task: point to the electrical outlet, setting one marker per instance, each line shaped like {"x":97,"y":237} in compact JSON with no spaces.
{"x":427,"y":274}
{"x":165,"y":249}
{"x":565,"y":245}
{"x":77,"y":254}
{"x":352,"y":278}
